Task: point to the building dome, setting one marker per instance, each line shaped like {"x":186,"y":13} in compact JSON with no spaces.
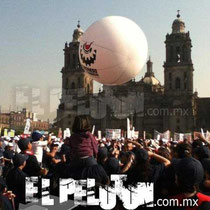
{"x":178,"y":25}
{"x":149,"y":77}
{"x":151,"y":80}
{"x":78,"y":32}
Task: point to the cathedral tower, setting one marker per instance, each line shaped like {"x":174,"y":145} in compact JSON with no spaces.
{"x":178,"y":67}
{"x":179,"y":99}
{"x":74,"y":81}
{"x":73,"y":76}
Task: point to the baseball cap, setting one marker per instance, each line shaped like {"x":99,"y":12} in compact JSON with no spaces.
{"x":189,"y":171}
{"x":23,"y":144}
{"x":19,"y":159}
{"x":16,"y":138}
{"x":202,"y":152}
{"x":141,"y":155}
{"x":10,"y":144}
{"x":36,"y":136}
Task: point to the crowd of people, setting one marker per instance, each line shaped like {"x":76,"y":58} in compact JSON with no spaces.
{"x":179,"y":170}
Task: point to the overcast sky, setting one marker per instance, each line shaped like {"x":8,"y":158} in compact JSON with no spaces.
{"x":33,"y":33}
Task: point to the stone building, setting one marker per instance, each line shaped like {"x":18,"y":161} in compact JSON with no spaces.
{"x":17,"y":120}
{"x":150,"y":105}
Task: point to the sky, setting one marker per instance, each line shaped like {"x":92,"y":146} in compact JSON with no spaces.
{"x":33,"y":34}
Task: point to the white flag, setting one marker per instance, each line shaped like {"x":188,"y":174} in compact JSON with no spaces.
{"x":128,"y":129}
{"x":93,"y":129}
{"x":27,"y":126}
{"x":67,"y":133}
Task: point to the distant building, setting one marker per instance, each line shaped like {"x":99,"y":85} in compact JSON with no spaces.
{"x":17,"y":120}
{"x":150,"y":105}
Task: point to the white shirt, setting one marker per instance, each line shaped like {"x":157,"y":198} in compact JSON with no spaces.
{"x":37,"y":147}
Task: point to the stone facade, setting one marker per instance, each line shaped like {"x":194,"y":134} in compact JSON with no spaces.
{"x":150,"y":105}
{"x":17,"y":121}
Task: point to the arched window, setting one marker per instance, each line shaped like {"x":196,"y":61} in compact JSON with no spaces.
{"x":79,"y":82}
{"x":170,"y":76}
{"x":88,"y":88}
{"x":185,"y":85}
{"x":72,"y":85}
{"x":67,"y":82}
{"x":171,"y":53}
{"x":178,"y":56}
{"x":178,"y":83}
{"x":184,"y":53}
{"x":74,"y":61}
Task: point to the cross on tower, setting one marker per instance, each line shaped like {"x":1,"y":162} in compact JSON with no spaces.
{"x":178,"y":15}
{"x":78,"y":25}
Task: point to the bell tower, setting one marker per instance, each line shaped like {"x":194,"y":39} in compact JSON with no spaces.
{"x":74,"y":82}
{"x":178,"y":67}
{"x":73,"y":76}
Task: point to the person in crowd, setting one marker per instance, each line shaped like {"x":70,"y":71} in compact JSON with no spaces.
{"x":83,"y":145}
{"x":15,"y":142}
{"x":140,"y":169}
{"x":16,"y":179}
{"x":52,"y":158}
{"x":32,"y":167}
{"x":2,"y":162}
{"x":1,"y":145}
{"x":182,"y":150}
{"x":189,"y":174}
{"x":65,"y":151}
{"x":9,"y":152}
{"x":37,"y":145}
{"x":102,"y":155}
{"x":8,"y":155}
{"x":6,"y":197}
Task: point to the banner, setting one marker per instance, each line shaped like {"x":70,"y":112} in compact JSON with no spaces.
{"x":60,"y":134}
{"x":135,"y":135}
{"x":144,"y":135}
{"x":182,"y":136}
{"x":113,"y":133}
{"x":93,"y":129}
{"x":99,"y":134}
{"x":128,"y":128}
{"x":5,"y":133}
{"x":27,"y":126}
{"x":67,"y":133}
{"x":160,"y":136}
{"x":12,"y":133}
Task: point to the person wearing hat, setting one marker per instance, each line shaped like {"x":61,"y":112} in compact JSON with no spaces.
{"x":37,"y":145}
{"x":16,"y":148}
{"x":52,"y":158}
{"x":141,"y":168}
{"x":32,"y":167}
{"x":189,"y":174}
{"x":16,"y":179}
{"x":8,"y":155}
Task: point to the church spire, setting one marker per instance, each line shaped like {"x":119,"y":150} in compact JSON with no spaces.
{"x":178,"y":25}
{"x":149,"y":72}
{"x":78,"y":32}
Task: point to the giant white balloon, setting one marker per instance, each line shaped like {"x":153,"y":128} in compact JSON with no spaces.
{"x":113,"y":50}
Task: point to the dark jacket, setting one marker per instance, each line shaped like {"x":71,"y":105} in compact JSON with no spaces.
{"x":82,"y":144}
